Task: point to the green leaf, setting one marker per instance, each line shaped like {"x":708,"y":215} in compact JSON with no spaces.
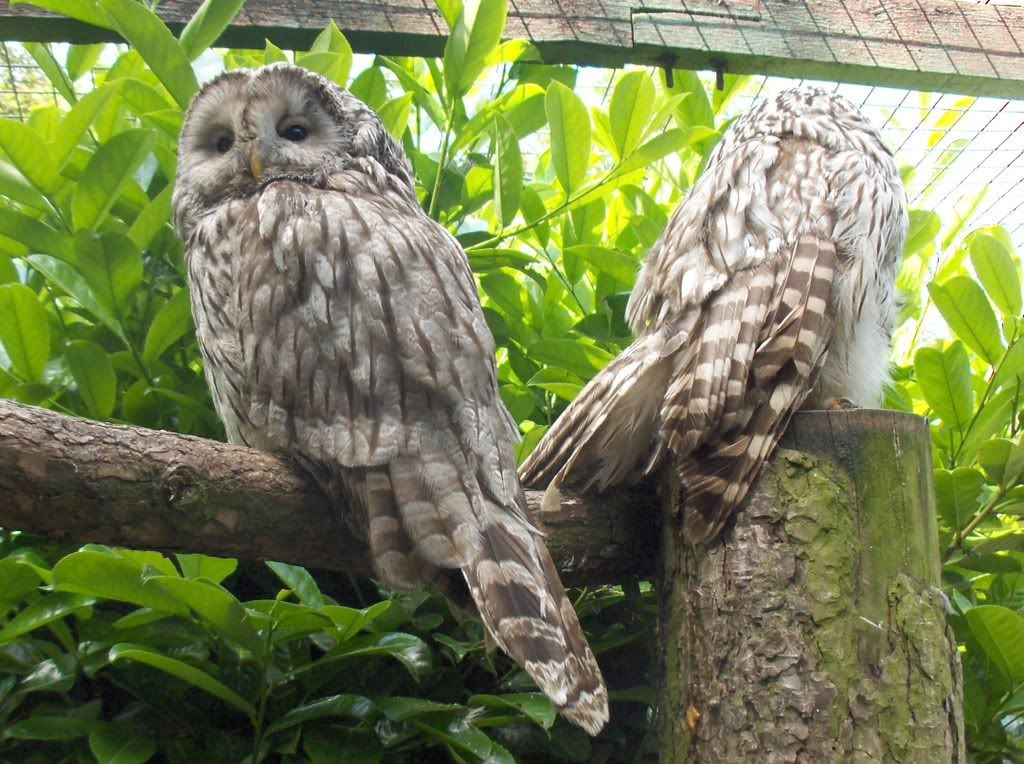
{"x":112,"y":267}
{"x":52,"y":69}
{"x":534,"y":705}
{"x":411,"y":651}
{"x":153,"y":218}
{"x":147,"y":34}
{"x":475,"y":34}
{"x":35,"y":234}
{"x":107,"y":173}
{"x":82,"y":10}
{"x":52,"y":607}
{"x":334,"y":744}
{"x":102,"y":575}
{"x":206,"y":26}
{"x":508,"y":171}
{"x":300,"y":582}
{"x":333,"y":66}
{"x":14,"y":186}
{"x":484,"y":260}
{"x":72,"y":282}
{"x":945,"y":380}
{"x":460,"y":734}
{"x":351,"y":621}
{"x":967,"y":311}
{"x":214,"y":569}
{"x":630,"y":110}
{"x":1001,"y":459}
{"x":997,"y":272}
{"x":24,"y":331}
{"x":52,"y":675}
{"x":82,"y":58}
{"x":399,"y":709}
{"x":27,"y":151}
{"x":94,"y":374}
{"x":273,"y":54}
{"x":924,"y":227}
{"x":504,"y":290}
{"x":76,"y":122}
{"x":616,"y":264}
{"x":1000,"y":632}
{"x":43,"y":727}
{"x":959,"y":494}
{"x":120,"y":744}
{"x":1011,"y":368}
{"x":216,"y":606}
{"x":570,"y":135}
{"x":172,"y":321}
{"x":669,"y":142}
{"x":17,"y":580}
{"x":572,"y":355}
{"x":345,"y":706}
{"x":182,"y":670}
{"x":395,"y":115}
{"x":694,"y":109}
{"x":558,"y":381}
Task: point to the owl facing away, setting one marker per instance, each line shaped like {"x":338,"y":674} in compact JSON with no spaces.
{"x":771,"y":289}
{"x":339,"y":325}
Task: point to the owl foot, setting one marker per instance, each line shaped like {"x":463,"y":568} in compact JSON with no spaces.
{"x":841,"y":404}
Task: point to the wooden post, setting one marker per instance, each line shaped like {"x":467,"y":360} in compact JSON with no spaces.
{"x":815,"y":631}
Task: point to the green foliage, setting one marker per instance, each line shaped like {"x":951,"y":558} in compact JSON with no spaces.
{"x":127,"y":656}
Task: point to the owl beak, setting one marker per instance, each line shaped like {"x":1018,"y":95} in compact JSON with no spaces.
{"x":255,"y":163}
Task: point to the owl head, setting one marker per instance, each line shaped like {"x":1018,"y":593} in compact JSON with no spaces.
{"x":248,"y":127}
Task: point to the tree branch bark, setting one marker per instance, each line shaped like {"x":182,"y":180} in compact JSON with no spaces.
{"x":80,"y":481}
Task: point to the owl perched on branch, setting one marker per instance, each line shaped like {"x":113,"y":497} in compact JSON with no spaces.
{"x":772,"y":289}
{"x":341,"y":326}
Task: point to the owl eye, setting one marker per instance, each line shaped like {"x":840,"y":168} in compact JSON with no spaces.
{"x":294,"y":133}
{"x":224,"y":143}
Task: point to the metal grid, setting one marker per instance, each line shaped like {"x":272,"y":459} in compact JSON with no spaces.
{"x":965,"y":152}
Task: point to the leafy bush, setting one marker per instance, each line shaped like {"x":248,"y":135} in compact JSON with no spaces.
{"x":130,"y":655}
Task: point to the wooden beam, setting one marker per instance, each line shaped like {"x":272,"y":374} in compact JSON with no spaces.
{"x":937,"y":45}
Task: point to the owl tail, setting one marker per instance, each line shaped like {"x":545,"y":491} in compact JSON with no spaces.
{"x":609,"y":434}
{"x":516,"y":588}
{"x":425,"y":518}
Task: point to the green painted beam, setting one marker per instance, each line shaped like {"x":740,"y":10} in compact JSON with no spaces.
{"x":938,"y":45}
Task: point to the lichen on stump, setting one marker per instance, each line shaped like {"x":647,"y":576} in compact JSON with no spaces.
{"x":814,"y":631}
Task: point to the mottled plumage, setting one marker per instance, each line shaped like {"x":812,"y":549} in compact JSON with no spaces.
{"x":341,"y":326}
{"x":771,"y":289}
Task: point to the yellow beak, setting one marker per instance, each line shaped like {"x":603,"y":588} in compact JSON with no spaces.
{"x":255,"y":165}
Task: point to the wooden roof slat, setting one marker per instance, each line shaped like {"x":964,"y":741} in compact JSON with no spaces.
{"x":939,"y":45}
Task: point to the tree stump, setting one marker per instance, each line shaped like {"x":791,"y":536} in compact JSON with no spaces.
{"x":814,"y":631}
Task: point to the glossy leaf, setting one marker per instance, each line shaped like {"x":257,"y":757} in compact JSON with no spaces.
{"x":96,"y":574}
{"x":182,"y":670}
{"x":120,"y":744}
{"x":214,"y":569}
{"x":72,"y":282}
{"x":299,"y":581}
{"x":50,"y":608}
{"x":475,"y":34}
{"x":570,"y":136}
{"x":27,"y":151}
{"x":508,"y":170}
{"x":147,"y":34}
{"x":574,"y":356}
{"x":216,"y":606}
{"x":630,"y":110}
{"x":171,"y":323}
{"x":24,"y":331}
{"x":345,"y":706}
{"x":1000,"y":632}
{"x":945,"y":380}
{"x":94,"y":374}
{"x":206,"y":25}
{"x":998,"y":273}
{"x":967,"y":311}
{"x":107,"y":173}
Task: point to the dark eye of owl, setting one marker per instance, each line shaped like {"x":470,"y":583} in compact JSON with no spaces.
{"x":294,"y":133}
{"x":224,"y":143}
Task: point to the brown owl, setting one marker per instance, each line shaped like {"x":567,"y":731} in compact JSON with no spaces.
{"x":772,"y":288}
{"x":340,"y":325}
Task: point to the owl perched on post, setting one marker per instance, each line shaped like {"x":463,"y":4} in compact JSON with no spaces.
{"x":771,"y":289}
{"x":341,"y":326}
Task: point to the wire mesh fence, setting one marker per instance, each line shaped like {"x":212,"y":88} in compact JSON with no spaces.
{"x":966,"y":155}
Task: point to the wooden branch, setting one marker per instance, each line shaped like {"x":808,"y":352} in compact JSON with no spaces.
{"x":938,"y":45}
{"x":80,"y":481}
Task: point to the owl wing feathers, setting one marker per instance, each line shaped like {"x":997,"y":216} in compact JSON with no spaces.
{"x":734,"y":320}
{"x":372,"y":358}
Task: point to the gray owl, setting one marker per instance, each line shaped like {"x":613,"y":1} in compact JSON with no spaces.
{"x":341,"y":326}
{"x":771,"y":289}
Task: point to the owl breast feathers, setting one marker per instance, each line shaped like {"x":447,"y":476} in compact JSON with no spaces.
{"x":772,"y":288}
{"x":341,"y":326}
